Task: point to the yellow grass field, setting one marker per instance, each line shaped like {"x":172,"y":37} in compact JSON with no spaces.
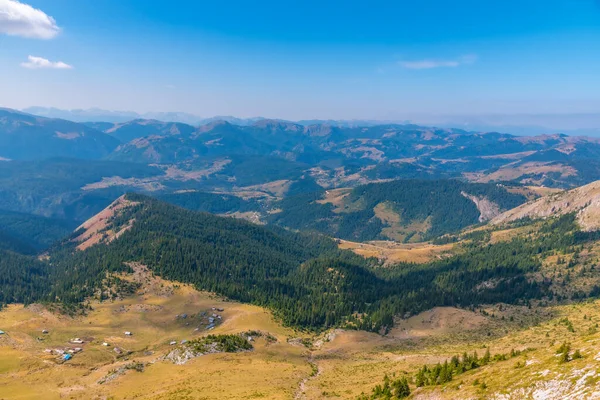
{"x":393,"y":252}
{"x":28,"y":372}
{"x":337,"y":364}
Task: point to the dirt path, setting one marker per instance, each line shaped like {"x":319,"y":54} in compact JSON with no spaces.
{"x":316,"y":371}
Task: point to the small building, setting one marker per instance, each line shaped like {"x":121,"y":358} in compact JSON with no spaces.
{"x":45,"y":331}
{"x":76,"y":341}
{"x":105,"y":344}
{"x":184,"y":341}
{"x":127,"y":333}
{"x":118,"y":350}
{"x":77,"y":350}
{"x":2,"y":332}
{"x":67,"y":357}
{"x":173,"y":342}
{"x":220,"y":309}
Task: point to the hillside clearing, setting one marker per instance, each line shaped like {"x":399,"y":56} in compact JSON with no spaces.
{"x":392,"y":252}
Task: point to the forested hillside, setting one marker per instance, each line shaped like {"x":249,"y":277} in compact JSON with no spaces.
{"x":404,"y":210}
{"x":23,"y":279}
{"x":36,"y":231}
{"x":11,"y":243}
{"x":303,"y":278}
{"x":55,"y":187}
{"x":209,"y":202}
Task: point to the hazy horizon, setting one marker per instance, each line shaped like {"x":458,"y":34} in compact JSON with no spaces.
{"x":518,"y":124}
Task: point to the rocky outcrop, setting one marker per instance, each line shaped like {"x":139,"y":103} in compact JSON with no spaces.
{"x":584,"y":200}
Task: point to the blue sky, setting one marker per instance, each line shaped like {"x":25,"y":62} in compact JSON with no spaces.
{"x":303,"y":59}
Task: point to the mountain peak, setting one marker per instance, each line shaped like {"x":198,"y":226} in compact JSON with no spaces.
{"x":100,"y":228}
{"x":213,"y":124}
{"x":24,"y":136}
{"x":278,"y":125}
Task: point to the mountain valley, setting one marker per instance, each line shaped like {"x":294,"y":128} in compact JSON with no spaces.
{"x":281,"y":260}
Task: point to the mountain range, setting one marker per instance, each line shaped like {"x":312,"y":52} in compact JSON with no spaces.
{"x":516,"y":124}
{"x":24,"y":136}
{"x":97,"y":114}
{"x":376,"y":250}
{"x":301,"y":275}
{"x":69,"y":170}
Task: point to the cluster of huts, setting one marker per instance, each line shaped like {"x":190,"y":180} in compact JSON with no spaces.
{"x":209,"y":319}
{"x":212,"y":319}
{"x":64,"y":354}
{"x":67,"y":353}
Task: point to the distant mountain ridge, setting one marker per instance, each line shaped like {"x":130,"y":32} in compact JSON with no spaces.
{"x":25,"y":136}
{"x":519,"y":124}
{"x":137,"y":128}
{"x":65,"y":169}
{"x":575,"y":124}
{"x":100,"y":115}
{"x":377,"y":152}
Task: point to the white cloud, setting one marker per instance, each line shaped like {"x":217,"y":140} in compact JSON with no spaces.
{"x":429,"y":64}
{"x":39,"y":62}
{"x":19,"y":19}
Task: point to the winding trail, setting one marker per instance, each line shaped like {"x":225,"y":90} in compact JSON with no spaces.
{"x":317,"y":370}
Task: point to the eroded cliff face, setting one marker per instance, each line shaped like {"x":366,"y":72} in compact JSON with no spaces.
{"x":487,"y":209}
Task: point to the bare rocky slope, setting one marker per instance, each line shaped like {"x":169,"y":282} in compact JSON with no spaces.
{"x":584,"y":200}
{"x":98,"y":229}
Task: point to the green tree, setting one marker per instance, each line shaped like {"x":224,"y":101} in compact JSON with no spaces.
{"x":401,"y":388}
